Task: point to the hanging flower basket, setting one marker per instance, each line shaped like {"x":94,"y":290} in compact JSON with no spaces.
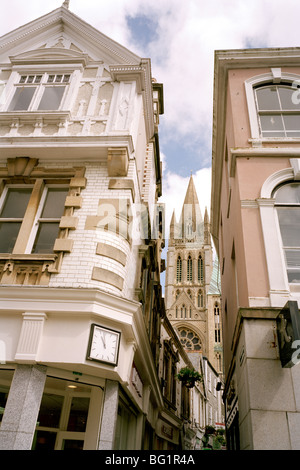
{"x":189,"y":377}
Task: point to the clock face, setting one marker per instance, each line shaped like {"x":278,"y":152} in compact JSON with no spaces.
{"x":104,"y":345}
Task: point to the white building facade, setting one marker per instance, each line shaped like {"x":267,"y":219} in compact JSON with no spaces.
{"x":80,"y":309}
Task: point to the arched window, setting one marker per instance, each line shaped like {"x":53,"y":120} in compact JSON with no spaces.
{"x":200,"y":269}
{"x":179,"y":269}
{"x":217,"y":323}
{"x":177,"y":294}
{"x":189,"y":339}
{"x":287,"y":203}
{"x":183,"y":311}
{"x":189,"y":293}
{"x":200,"y":299}
{"x":189,"y":269}
{"x":278,"y":110}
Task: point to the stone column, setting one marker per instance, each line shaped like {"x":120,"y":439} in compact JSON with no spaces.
{"x":22,"y":408}
{"x":109,"y":417}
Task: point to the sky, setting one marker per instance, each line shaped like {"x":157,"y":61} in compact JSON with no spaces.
{"x":180,"y":39}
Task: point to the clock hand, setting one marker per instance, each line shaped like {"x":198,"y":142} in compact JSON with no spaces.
{"x":103,"y":341}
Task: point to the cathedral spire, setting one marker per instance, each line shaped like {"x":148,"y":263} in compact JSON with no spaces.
{"x":207,"y":239}
{"x":172,"y":228}
{"x":191,"y":217}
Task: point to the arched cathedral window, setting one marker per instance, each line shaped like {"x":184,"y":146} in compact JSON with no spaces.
{"x":189,"y":268}
{"x":189,"y":339}
{"x":217,"y":323}
{"x":183,"y":311}
{"x":179,"y":269}
{"x":200,"y":269}
{"x":200,"y":299}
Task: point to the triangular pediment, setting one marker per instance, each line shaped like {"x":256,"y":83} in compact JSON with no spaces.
{"x":183,"y":298}
{"x":64,"y":29}
{"x":48,"y":56}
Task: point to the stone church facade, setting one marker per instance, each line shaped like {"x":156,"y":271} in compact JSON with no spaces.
{"x":192,"y":291}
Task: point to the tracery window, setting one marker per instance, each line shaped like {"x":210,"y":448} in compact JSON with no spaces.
{"x":179,"y":269}
{"x":189,"y":268}
{"x":278,"y":110}
{"x":183,"y":311}
{"x":200,"y":269}
{"x":287,"y":203}
{"x":217,"y":323}
{"x":200,"y":299}
{"x":189,"y":339}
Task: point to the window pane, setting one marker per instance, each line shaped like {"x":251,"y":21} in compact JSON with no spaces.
{"x":50,"y":410}
{"x":78,"y":414}
{"x":267,"y":98}
{"x":289,"y":220}
{"x":289,"y":193}
{"x":72,"y":444}
{"x":271,"y":122}
{"x":51,"y":98}
{"x":46,"y":236}
{"x":293,"y":276}
{"x":44,"y":440}
{"x":55,"y":203}
{"x":292,"y":122}
{"x":292,"y":258}
{"x":8,"y":236}
{"x":22,"y":99}
{"x":286,"y":98}
{"x":15,"y":203}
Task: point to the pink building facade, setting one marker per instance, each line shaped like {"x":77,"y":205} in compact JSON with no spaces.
{"x":255,"y":217}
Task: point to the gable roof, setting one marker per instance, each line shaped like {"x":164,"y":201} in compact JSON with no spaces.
{"x":62,"y":21}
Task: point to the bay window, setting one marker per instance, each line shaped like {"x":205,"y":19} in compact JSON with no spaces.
{"x":41,"y":92}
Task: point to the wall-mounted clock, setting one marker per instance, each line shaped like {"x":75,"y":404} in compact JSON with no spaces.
{"x":104,"y":345}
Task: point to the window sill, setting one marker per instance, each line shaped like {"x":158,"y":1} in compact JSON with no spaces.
{"x":28,"y":257}
{"x":258,"y":142}
{"x":34,"y":115}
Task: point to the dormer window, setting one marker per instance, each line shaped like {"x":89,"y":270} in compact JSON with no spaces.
{"x":39,"y":92}
{"x":278,"y":110}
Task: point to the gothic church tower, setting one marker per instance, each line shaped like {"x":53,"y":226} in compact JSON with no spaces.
{"x":192,"y":293}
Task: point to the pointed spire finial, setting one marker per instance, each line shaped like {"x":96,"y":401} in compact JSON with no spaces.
{"x":66,"y":4}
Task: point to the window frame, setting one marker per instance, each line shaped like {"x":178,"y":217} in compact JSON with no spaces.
{"x":279,"y":112}
{"x":189,"y":271}
{"x":40,"y":88}
{"x":37,"y":199}
{"x":3,"y":199}
{"x":276,"y":76}
{"x":280,"y":289}
{"x":283,"y":205}
{"x":179,"y":269}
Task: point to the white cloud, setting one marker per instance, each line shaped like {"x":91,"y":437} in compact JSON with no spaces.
{"x":182,"y":51}
{"x":182,"y":55}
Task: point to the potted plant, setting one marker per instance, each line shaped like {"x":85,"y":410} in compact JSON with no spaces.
{"x":189,"y":377}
